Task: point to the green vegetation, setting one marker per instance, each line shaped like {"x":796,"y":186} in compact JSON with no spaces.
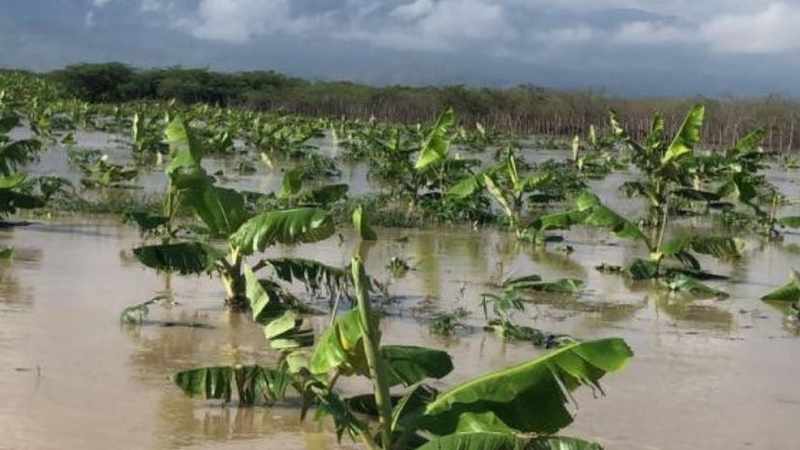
{"x":463,"y":167}
{"x":492,"y":411}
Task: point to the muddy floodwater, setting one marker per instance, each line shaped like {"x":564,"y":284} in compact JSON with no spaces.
{"x":708,"y":374}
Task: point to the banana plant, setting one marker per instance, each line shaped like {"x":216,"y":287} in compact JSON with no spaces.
{"x":13,"y":155}
{"x":590,"y":211}
{"x":663,"y":162}
{"x":102,"y":174}
{"x":509,"y":189}
{"x":146,"y":134}
{"x":225,"y":218}
{"x":523,"y":406}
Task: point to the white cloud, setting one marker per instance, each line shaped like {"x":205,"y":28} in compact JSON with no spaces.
{"x":414,"y":10}
{"x":502,"y":28}
{"x":89,"y":20}
{"x":649,"y":33}
{"x":237,"y":21}
{"x":101,"y":3}
{"x":772,"y":30}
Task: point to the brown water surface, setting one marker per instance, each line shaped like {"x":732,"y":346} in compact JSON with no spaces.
{"x":707,"y":374}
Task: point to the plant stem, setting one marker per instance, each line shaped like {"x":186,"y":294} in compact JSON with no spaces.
{"x":372,"y":352}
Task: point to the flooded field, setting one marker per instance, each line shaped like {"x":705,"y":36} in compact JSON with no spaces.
{"x":715,"y":374}
{"x":707,"y":374}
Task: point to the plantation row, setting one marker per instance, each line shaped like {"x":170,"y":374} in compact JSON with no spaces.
{"x":521,"y":110}
{"x":438,"y":172}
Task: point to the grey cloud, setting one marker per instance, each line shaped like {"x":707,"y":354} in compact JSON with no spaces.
{"x":628,"y":46}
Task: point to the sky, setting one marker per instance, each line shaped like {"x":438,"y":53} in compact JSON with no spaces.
{"x":625,"y":47}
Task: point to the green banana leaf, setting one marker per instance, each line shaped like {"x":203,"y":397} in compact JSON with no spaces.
{"x":250,"y":383}
{"x":716,"y":246}
{"x":437,"y":143}
{"x":292,"y":183}
{"x":313,"y":274}
{"x":598,"y":215}
{"x":789,"y":292}
{"x":408,"y":365}
{"x":687,"y":284}
{"x":186,"y":152}
{"x":530,"y":397}
{"x":264,"y":305}
{"x":291,"y":226}
{"x":183,"y":257}
{"x":221,"y":209}
{"x":687,"y":137}
{"x":341,"y":348}
{"x":506,"y":441}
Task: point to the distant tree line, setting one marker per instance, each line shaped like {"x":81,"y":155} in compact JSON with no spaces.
{"x":522,"y":109}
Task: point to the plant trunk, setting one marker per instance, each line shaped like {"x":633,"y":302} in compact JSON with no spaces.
{"x":234,"y":282}
{"x":372,"y":351}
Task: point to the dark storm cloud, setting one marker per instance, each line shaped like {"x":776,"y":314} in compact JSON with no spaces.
{"x":629,"y":46}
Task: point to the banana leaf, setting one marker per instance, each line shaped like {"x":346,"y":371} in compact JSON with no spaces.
{"x":291,"y":226}
{"x":313,"y":274}
{"x":186,"y":152}
{"x":341,"y":348}
{"x":789,"y":292}
{"x":265,"y":306}
{"x":250,"y":383}
{"x":221,"y":209}
{"x":506,"y":441}
{"x":687,"y":137}
{"x":184,"y":257}
{"x":437,"y":143}
{"x":530,"y":397}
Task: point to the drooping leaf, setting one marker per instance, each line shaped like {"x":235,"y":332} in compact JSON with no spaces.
{"x":530,"y":397}
{"x":562,"y":286}
{"x":313,"y":274}
{"x":250,"y":383}
{"x":263,"y":306}
{"x":408,"y":365}
{"x":789,"y":292}
{"x":642,"y":269}
{"x":467,"y":187}
{"x":751,"y":140}
{"x":145,"y":221}
{"x":716,"y":246}
{"x":558,"y":221}
{"x":184,"y":257}
{"x":362,"y":227}
{"x":686,"y":284}
{"x":291,"y":226}
{"x":598,"y":215}
{"x":506,"y":441}
{"x":476,"y":441}
{"x":561,"y":443}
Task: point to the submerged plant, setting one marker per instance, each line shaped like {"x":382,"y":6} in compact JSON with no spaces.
{"x":13,"y":155}
{"x":225,"y":217}
{"x":489,"y":412}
